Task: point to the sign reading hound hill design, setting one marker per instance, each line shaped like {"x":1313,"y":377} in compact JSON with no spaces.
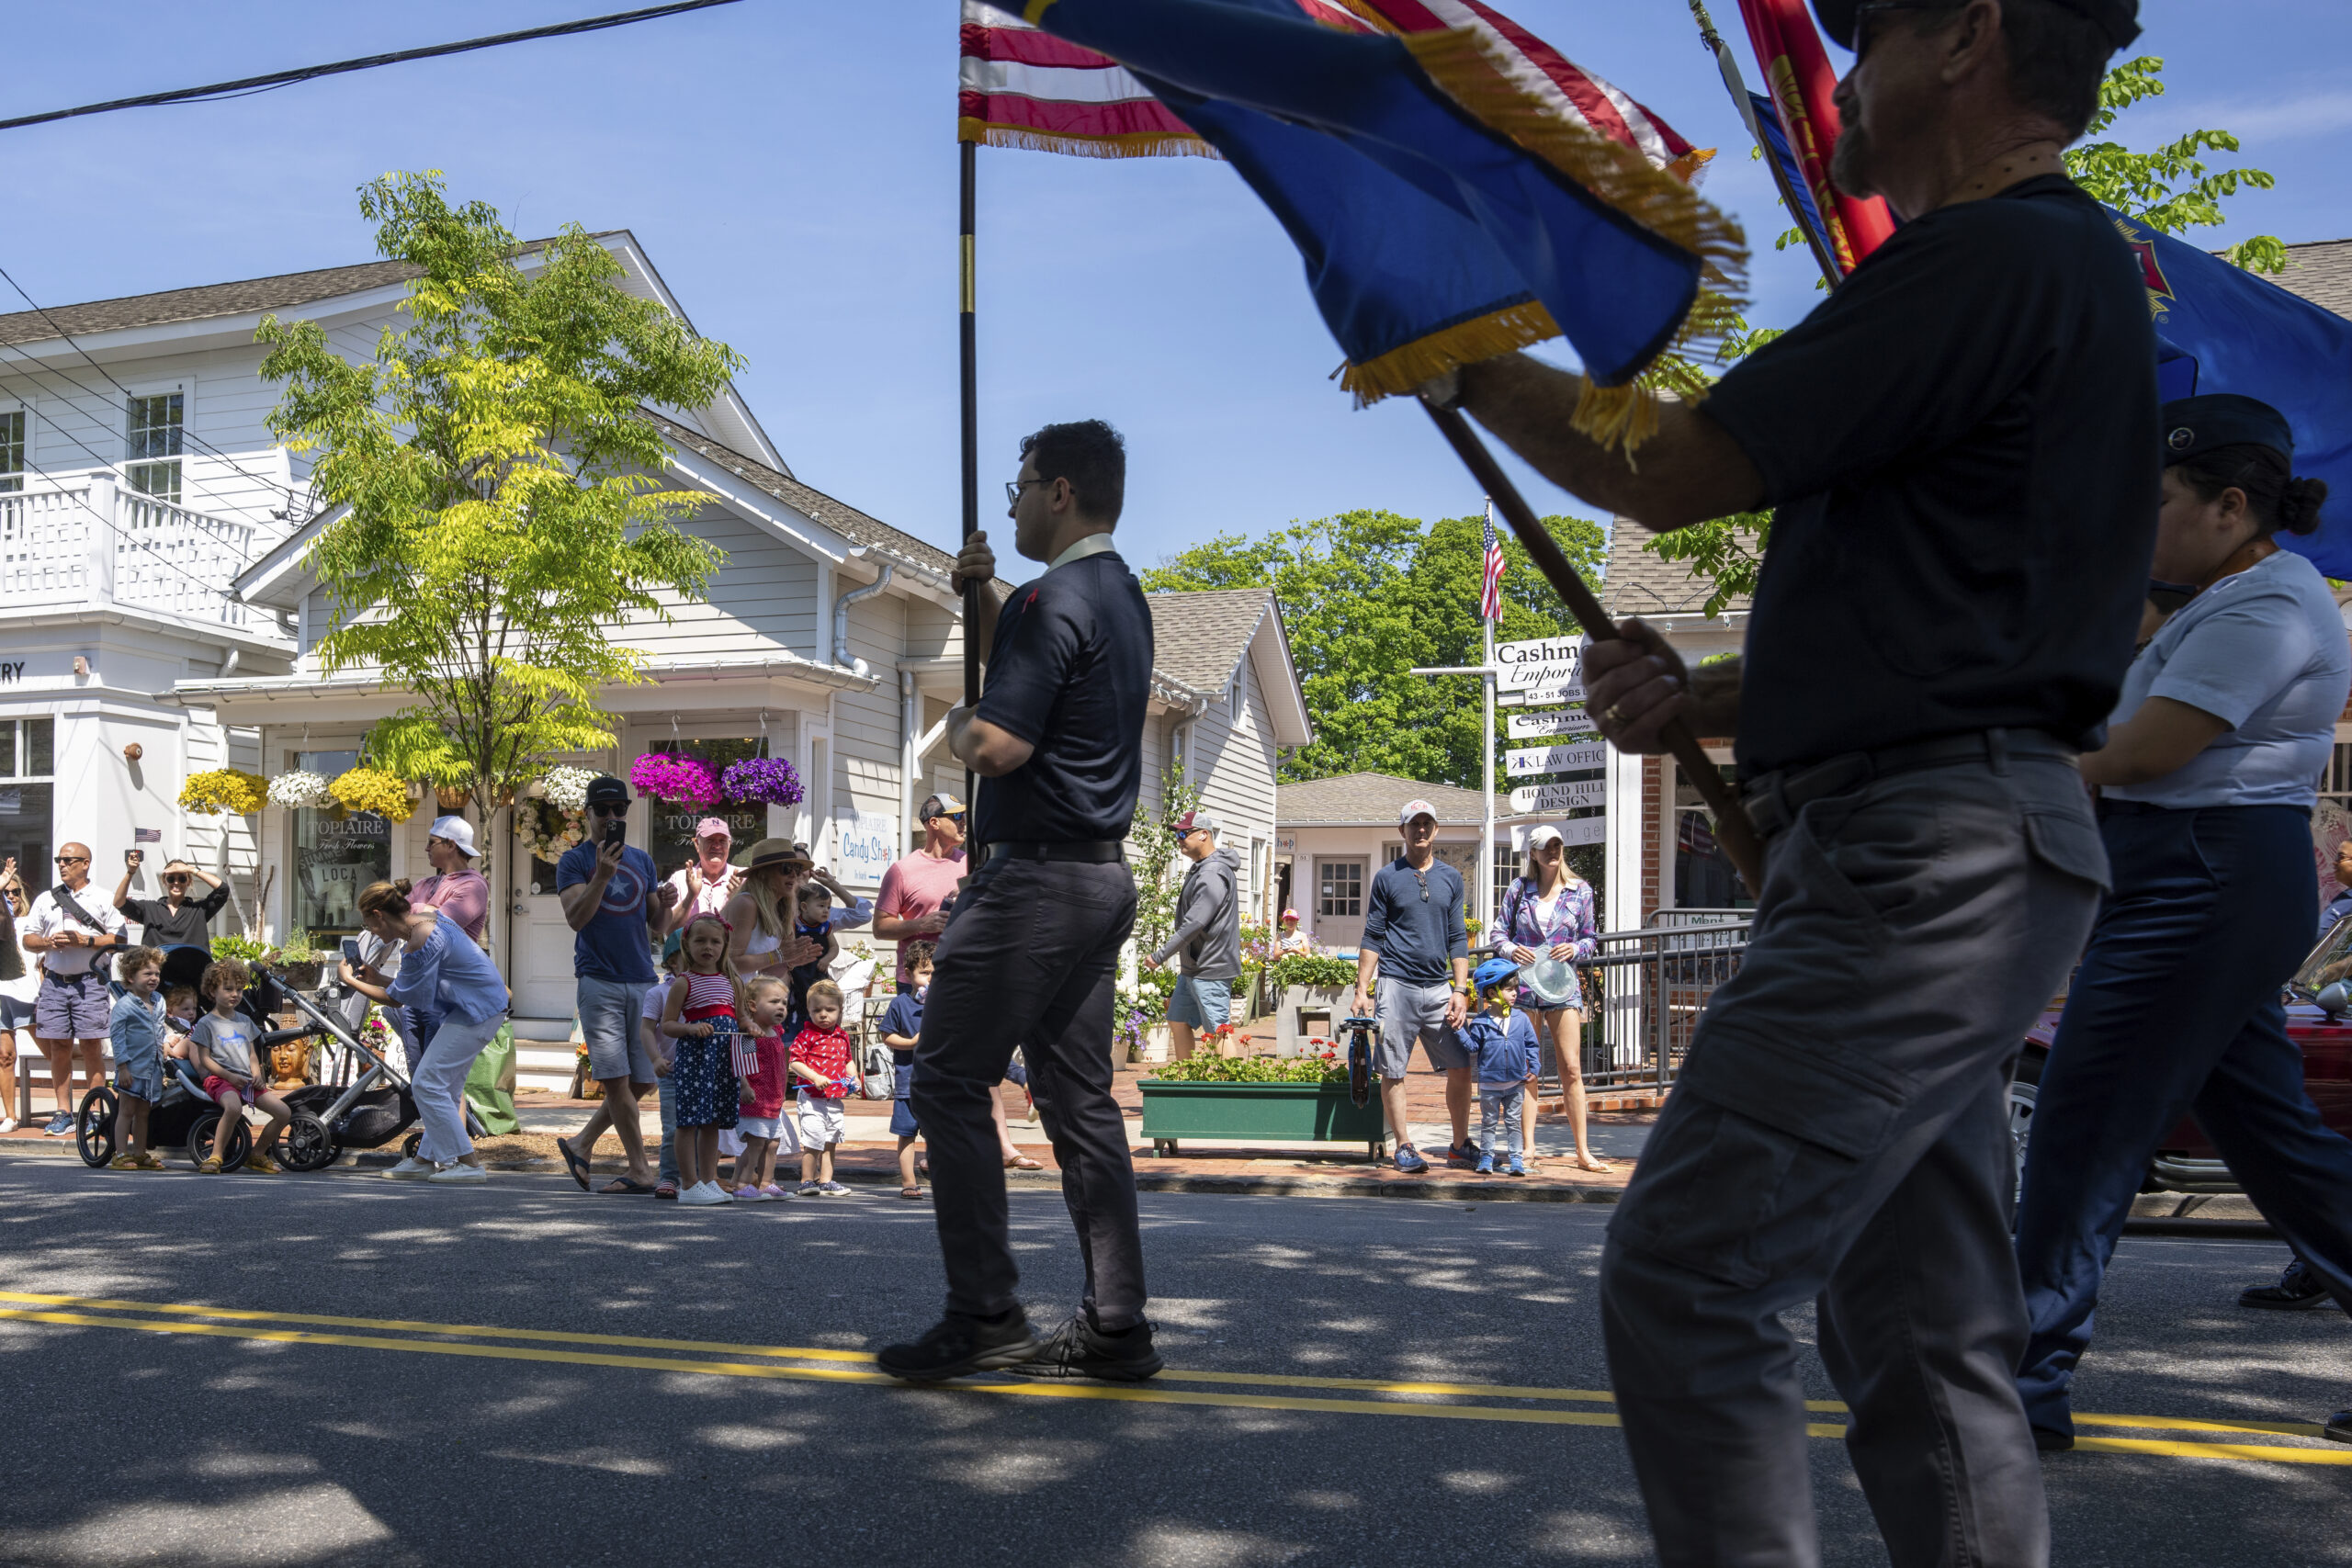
{"x":1569,"y":723}
{"x":1531,"y":760}
{"x":1545,"y":799}
{"x":1548,"y":669}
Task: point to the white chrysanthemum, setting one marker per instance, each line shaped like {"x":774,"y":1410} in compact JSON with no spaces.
{"x":299,"y":790}
{"x":567,"y":787}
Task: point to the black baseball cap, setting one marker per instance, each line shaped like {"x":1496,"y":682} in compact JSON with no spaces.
{"x":2192,"y":425}
{"x":2119,"y":19}
{"x":606,"y":790}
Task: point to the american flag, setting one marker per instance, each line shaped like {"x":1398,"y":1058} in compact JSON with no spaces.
{"x":1490,"y":591}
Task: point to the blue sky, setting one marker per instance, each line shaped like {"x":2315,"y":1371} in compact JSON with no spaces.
{"x":790,"y":165}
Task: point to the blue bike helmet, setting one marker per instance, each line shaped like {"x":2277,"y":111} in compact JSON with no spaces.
{"x":1493,"y":973}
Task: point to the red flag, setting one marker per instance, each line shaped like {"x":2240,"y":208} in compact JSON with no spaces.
{"x":1799,"y":81}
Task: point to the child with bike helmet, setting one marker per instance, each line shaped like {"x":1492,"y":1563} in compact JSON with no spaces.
{"x":1502,"y":1047}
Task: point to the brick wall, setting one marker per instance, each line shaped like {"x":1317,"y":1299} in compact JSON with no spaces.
{"x":1653,"y":800}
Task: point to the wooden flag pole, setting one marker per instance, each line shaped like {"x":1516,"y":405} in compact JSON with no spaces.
{"x":968,"y":331}
{"x":1733,"y":829}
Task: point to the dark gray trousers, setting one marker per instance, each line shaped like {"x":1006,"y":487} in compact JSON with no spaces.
{"x":1839,"y":1133}
{"x":1028,"y":959}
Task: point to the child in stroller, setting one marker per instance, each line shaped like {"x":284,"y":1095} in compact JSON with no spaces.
{"x":225,"y":1045}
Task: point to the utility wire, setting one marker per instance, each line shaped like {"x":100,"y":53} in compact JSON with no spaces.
{"x":311,"y":72}
{"x":117,"y":529}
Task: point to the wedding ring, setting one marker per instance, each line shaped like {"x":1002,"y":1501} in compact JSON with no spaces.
{"x":1613,"y":714}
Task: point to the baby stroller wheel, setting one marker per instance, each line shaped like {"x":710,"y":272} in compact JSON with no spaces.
{"x":410,"y":1145}
{"x":306,"y":1145}
{"x":94,"y":1127}
{"x":199,"y":1141}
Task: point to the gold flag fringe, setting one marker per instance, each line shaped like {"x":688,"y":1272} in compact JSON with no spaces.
{"x":1134,"y":144}
{"x":1400,"y":371}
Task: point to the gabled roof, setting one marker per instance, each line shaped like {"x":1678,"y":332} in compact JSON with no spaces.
{"x":1200,"y":636}
{"x":1371,"y":800}
{"x":2320,"y":271}
{"x":1642,"y":582}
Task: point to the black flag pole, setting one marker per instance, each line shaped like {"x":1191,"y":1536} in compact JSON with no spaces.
{"x":969,"y":332}
{"x":1733,"y":829}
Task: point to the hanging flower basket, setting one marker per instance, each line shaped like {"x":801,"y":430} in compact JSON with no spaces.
{"x":452,"y":797}
{"x":224,"y":789}
{"x":548,"y":829}
{"x":566,"y":788}
{"x":760,"y":781}
{"x":682,"y":781}
{"x":300,"y":790}
{"x":372,"y":789}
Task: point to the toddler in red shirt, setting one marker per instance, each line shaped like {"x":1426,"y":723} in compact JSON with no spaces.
{"x":759,"y":1113}
{"x":821,"y":1054}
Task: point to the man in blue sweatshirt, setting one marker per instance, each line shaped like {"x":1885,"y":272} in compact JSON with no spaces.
{"x":1413,"y":935}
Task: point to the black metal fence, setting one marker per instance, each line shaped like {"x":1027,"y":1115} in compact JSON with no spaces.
{"x":1644,"y":994}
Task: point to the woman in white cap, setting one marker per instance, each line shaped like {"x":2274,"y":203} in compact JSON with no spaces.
{"x":1548,"y":913}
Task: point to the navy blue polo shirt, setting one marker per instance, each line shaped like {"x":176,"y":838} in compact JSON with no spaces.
{"x":1069,"y":672}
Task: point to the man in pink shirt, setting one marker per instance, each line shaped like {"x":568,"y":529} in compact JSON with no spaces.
{"x":708,"y":882}
{"x":910,"y":907}
{"x":454,"y":887}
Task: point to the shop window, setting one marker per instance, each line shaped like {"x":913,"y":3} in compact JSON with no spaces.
{"x":669,"y":828}
{"x":336,"y":853}
{"x":1342,"y":888}
{"x":12,"y":450}
{"x":155,"y":440}
{"x":27,"y":758}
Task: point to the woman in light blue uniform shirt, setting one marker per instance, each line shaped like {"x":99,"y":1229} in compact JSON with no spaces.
{"x":2207,"y":785}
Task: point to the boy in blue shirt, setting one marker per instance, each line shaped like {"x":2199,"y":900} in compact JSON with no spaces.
{"x":901,"y":1027}
{"x":1501,"y":1044}
{"x":136,"y":1029}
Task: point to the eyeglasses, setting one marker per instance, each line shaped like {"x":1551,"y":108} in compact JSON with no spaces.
{"x":1013,"y":489}
{"x":609,"y":809}
{"x":73,"y":860}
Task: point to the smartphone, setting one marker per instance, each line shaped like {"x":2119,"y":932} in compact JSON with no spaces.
{"x":351,"y":950}
{"x":615,"y":829}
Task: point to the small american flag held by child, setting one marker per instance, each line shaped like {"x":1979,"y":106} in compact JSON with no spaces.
{"x":745,"y":1055}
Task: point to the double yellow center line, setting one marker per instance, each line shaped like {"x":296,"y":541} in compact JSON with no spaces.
{"x":1413,"y":1400}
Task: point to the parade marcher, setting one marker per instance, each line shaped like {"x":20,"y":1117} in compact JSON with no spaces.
{"x":172,"y":921}
{"x":1956,"y":440}
{"x":69,"y":929}
{"x":1207,"y":934}
{"x":1029,"y":956}
{"x":2206,"y":789}
{"x":916,"y":890}
{"x":445,"y":972}
{"x":1548,"y":912}
{"x":1414,"y":933}
{"x":2341,"y":905}
{"x":619,"y":906}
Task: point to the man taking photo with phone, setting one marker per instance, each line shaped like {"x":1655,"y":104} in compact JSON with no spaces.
{"x":617,"y":902}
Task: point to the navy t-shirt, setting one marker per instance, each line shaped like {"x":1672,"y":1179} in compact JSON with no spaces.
{"x":903,"y":1018}
{"x":1069,"y":674}
{"x":1962,"y":443}
{"x":615,"y":945}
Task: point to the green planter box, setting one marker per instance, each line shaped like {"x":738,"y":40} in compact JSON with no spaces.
{"x":1259,"y":1113}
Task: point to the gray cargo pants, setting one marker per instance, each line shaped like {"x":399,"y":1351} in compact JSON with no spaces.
{"x":1840,"y":1131}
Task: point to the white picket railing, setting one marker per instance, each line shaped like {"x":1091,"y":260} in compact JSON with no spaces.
{"x":90,"y":539}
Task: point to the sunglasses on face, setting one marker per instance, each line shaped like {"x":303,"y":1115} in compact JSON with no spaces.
{"x":175,"y":878}
{"x":73,"y":860}
{"x":609,"y":809}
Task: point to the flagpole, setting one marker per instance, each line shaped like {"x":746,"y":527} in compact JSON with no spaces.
{"x":1486,"y":754}
{"x":968,"y":329}
{"x":1728,"y":66}
{"x":1733,"y":829}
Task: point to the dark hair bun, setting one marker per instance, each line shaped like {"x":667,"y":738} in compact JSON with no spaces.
{"x":2298,"y":503}
{"x":401,"y":886}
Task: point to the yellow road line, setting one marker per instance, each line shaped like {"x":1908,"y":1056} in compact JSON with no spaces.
{"x":1155,"y":1395}
{"x":2271,"y":1452}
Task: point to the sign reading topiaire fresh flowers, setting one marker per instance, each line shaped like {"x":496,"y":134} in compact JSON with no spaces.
{"x":760,"y":781}
{"x":682,"y":781}
{"x":566,"y":788}
{"x":373,"y":789}
{"x":223,"y":790}
{"x":300,"y":790}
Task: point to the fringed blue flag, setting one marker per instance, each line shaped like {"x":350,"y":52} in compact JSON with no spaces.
{"x":2247,"y":336}
{"x":1447,"y":205}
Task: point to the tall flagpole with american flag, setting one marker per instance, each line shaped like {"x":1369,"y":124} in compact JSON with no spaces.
{"x":1490,"y":610}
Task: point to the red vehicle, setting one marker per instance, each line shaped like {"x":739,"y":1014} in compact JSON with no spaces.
{"x":2319,"y":1021}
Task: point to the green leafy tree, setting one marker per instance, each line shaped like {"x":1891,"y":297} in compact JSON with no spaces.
{"x":1366,"y":596}
{"x":494,"y":472}
{"x":2169,"y":190}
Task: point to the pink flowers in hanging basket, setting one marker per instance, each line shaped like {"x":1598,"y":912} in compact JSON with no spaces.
{"x":760,"y":781}
{"x":682,"y":781}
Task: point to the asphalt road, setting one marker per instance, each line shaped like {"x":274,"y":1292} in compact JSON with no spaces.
{"x":379,"y":1443}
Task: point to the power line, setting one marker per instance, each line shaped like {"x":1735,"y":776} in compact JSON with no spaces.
{"x":311,"y":73}
{"x":115,"y":528}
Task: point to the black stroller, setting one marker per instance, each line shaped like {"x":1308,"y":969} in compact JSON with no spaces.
{"x":366,"y":1106}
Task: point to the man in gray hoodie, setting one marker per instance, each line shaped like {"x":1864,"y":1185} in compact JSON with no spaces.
{"x":1208,"y":934}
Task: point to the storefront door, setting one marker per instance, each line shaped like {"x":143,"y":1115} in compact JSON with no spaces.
{"x":541,"y":975}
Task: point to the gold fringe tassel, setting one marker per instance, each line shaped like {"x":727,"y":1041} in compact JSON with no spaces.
{"x":1400,"y":371}
{"x":1135,"y":145}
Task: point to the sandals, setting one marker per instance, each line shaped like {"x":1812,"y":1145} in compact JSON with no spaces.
{"x":574,"y":1162}
{"x":623,"y":1187}
{"x":1022,"y":1162}
{"x":912,"y":1194}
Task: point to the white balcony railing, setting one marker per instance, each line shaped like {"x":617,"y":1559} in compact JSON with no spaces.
{"x":88,"y":539}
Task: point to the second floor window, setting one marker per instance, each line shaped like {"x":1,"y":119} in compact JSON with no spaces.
{"x":154,"y":468}
{"x":12,"y":450}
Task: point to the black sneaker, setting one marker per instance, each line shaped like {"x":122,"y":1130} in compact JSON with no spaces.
{"x":960,"y":1343}
{"x":2339,"y":1428}
{"x":2298,"y":1289}
{"x":1079,"y":1349}
{"x":2051,"y":1442}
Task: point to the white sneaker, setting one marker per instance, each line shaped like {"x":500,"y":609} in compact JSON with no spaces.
{"x":459,"y":1172}
{"x":702,"y":1194}
{"x":7,"y":1124}
{"x":411,"y":1169}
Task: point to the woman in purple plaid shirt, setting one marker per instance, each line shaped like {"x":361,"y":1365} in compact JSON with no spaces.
{"x":1549,"y":910}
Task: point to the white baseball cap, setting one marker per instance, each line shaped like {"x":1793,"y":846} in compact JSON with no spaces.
{"x":1416,"y":807}
{"x":458,"y":831}
{"x":1543,"y":834}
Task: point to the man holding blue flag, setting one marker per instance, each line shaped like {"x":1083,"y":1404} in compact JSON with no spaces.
{"x":1957,"y":443}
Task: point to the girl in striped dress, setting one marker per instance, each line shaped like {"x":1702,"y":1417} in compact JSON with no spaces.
{"x":701,"y":1017}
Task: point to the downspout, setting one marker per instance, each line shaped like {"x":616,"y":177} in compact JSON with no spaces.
{"x":840,"y":619}
{"x":229,"y":662}
{"x":909,"y":719}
